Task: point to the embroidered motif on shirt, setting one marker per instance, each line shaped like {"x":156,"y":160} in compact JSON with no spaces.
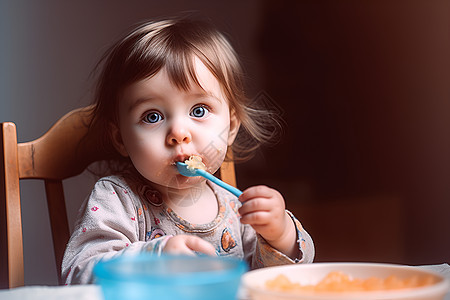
{"x":227,"y":241}
{"x":153,"y":196}
{"x":156,"y":233}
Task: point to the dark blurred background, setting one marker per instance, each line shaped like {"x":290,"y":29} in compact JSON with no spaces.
{"x":364,"y":88}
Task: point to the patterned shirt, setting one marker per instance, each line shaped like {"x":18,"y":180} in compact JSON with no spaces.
{"x":119,"y":220}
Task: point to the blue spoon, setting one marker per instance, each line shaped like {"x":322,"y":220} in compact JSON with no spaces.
{"x":185,"y":171}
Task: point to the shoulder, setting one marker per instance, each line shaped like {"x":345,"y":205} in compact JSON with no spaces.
{"x":112,"y":183}
{"x":112,"y":180}
{"x":113,"y":188}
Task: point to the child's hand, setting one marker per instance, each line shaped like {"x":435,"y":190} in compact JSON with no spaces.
{"x":264,"y":209}
{"x":188,"y":245}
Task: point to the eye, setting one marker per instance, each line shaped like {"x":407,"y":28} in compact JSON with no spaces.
{"x":152,"y":117}
{"x":199,"y":111}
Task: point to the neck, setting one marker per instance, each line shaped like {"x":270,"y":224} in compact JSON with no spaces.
{"x":196,"y":205}
{"x":185,"y":197}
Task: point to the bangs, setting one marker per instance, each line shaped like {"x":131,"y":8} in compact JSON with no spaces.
{"x":174,"y":51}
{"x":181,"y":69}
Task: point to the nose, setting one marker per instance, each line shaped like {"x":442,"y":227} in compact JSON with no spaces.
{"x":178,"y":134}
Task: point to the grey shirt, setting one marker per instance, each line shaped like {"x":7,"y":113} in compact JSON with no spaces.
{"x":119,"y":220}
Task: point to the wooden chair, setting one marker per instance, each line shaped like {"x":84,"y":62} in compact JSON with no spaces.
{"x":66,"y":150}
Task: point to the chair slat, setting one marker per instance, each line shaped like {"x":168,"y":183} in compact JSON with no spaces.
{"x":227,"y":171}
{"x":11,"y":201}
{"x":58,"y":220}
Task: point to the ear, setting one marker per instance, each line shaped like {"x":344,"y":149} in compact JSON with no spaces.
{"x":235,"y":123}
{"x":116,"y":139}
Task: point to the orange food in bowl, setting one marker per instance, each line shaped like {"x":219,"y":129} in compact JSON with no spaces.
{"x":340,"y":282}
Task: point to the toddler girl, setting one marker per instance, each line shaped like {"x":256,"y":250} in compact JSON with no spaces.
{"x":170,"y":90}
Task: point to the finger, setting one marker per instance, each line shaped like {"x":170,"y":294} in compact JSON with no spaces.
{"x":178,"y":248}
{"x":199,"y":245}
{"x":256,"y":204}
{"x":256,"y":218}
{"x":261,"y":191}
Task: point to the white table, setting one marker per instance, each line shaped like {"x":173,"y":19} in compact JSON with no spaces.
{"x":70,"y":292}
{"x":93,"y":292}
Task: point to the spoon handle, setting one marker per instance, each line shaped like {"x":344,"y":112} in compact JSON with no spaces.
{"x":219,"y":182}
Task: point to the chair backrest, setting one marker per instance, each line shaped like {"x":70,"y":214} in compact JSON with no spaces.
{"x":66,"y":150}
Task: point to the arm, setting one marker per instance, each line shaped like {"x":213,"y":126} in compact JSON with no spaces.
{"x":107,"y":227}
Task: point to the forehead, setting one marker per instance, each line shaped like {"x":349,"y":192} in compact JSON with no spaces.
{"x":206,"y":80}
{"x":161,"y":83}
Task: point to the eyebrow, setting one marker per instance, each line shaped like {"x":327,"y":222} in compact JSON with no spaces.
{"x":140,"y":101}
{"x":206,"y":95}
{"x":203,"y":95}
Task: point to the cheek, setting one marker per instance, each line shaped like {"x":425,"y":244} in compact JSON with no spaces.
{"x":142,"y":148}
{"x":215,"y":148}
{"x":150,"y":161}
{"x":217,"y":160}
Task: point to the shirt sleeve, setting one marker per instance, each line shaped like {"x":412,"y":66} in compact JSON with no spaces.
{"x":107,"y":227}
{"x":261,"y":254}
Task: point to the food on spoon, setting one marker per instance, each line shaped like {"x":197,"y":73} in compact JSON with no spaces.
{"x":195,"y":162}
{"x":341,"y":282}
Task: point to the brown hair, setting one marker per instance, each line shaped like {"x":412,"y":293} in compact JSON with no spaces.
{"x":172,"y":44}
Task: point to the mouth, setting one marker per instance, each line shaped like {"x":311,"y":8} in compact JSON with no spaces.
{"x":181,"y":158}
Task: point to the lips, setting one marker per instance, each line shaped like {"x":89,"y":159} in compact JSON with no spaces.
{"x":181,"y":158}
{"x":184,"y":157}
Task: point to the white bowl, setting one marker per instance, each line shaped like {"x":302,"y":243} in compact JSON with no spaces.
{"x":310,"y":274}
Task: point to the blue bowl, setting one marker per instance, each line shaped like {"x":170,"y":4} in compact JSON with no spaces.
{"x":149,"y":276}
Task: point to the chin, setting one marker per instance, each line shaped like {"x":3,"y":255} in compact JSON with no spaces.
{"x":182,"y":182}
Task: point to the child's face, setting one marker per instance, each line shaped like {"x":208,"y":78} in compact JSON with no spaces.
{"x":160,"y":124}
